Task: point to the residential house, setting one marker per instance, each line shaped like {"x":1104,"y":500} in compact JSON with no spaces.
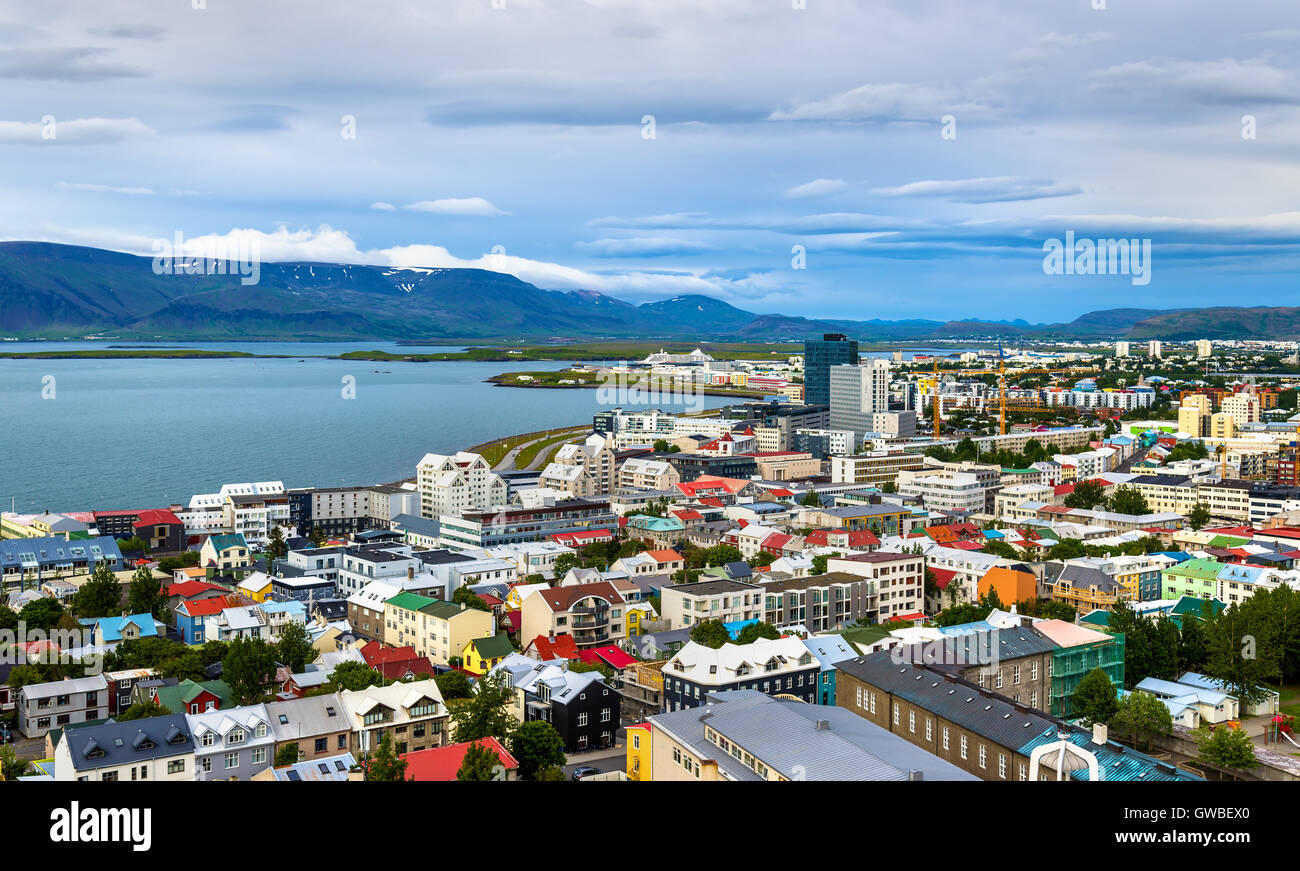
{"x":156,"y":748}
{"x":413,"y":714}
{"x":593,"y":613}
{"x":317,"y":725}
{"x":436,"y":629}
{"x":44,"y":706}
{"x":232,"y":743}
{"x":782,"y":666}
{"x":441,"y":764}
{"x":581,"y":707}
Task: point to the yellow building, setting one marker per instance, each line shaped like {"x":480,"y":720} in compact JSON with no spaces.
{"x":436,"y":629}
{"x":256,"y":586}
{"x":1222,"y":426}
{"x":639,"y":739}
{"x":481,"y":655}
{"x":636,"y":615}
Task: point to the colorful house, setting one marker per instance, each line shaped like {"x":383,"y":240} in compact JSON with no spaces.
{"x":1078,"y":651}
{"x":481,"y":654}
{"x":638,"y":752}
{"x":1194,"y":577}
{"x":112,"y":631}
{"x":256,"y":586}
{"x":226,"y":553}
{"x":192,"y":697}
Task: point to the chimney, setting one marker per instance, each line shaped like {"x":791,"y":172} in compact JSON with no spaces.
{"x":463,"y":606}
{"x":1100,"y":733}
{"x":410,"y":573}
{"x":916,"y":774}
{"x":823,"y":725}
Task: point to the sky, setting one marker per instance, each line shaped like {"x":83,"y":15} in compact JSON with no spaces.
{"x":825,"y":158}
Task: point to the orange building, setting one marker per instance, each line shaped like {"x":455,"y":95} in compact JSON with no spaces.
{"x":1012,"y":586}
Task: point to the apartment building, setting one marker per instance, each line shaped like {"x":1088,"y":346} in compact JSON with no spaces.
{"x":317,"y":726}
{"x":1228,"y":499}
{"x":27,"y":563}
{"x":462,"y":482}
{"x":683,"y":605}
{"x":780,"y":666}
{"x":411,"y":713}
{"x":874,"y":469}
{"x":820,"y":603}
{"x":584,"y":710}
{"x":592,"y":613}
{"x":436,"y":629}
{"x":508,"y":524}
{"x":647,"y":474}
{"x":1174,"y":494}
{"x":899,"y":580}
{"x":45,"y":706}
{"x":155,"y":748}
{"x":332,"y":511}
{"x":1243,"y":407}
{"x":231,"y":743}
{"x":941,"y":490}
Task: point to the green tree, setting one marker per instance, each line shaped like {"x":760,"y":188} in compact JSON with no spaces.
{"x":135,"y":544}
{"x":1085,"y":495}
{"x":1191,"y":644}
{"x":1224,"y":747}
{"x":143,"y":710}
{"x":755,"y":631}
{"x":286,"y":755}
{"x":660,"y":446}
{"x":145,"y":594}
{"x":249,"y":667}
{"x":710,"y":633}
{"x":11,"y":766}
{"x":811,"y":499}
{"x":1198,"y":517}
{"x":385,"y":765}
{"x":564,"y":562}
{"x":487,"y":712}
{"x":317,"y":536}
{"x":41,"y":614}
{"x":1241,"y":651}
{"x":820,"y":560}
{"x":354,"y":676}
{"x":480,"y":763}
{"x":454,"y":685}
{"x":276,"y":548}
{"x":466,"y":596}
{"x":762,"y":558}
{"x":100,"y":596}
{"x":294,"y":649}
{"x":1094,"y":698}
{"x":536,"y":745}
{"x":23,"y":675}
{"x":1129,"y":500}
{"x":185,"y":665}
{"x":1140,"y":717}
{"x":555,"y":772}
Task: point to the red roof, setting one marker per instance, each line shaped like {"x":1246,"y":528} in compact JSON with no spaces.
{"x":711,"y":501}
{"x":515,"y":619}
{"x":1056,"y":509}
{"x":776,"y":540}
{"x":664,"y":556}
{"x":782,"y":493}
{"x":943,"y":577}
{"x":689,"y":514}
{"x":609,"y":654}
{"x":442,"y":763}
{"x":186,"y":589}
{"x":1062,"y":489}
{"x":562,"y":647}
{"x":582,"y":536}
{"x":915,"y":615}
{"x":1283,"y":532}
{"x":967,"y":545}
{"x":215,"y":605}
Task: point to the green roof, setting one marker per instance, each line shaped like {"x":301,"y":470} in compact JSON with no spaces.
{"x":864,"y":635}
{"x":176,"y":699}
{"x":1199,"y":568}
{"x":443,"y":610}
{"x":1193,"y":605}
{"x":410,"y":601}
{"x":493,"y":647}
{"x":1097,"y":618}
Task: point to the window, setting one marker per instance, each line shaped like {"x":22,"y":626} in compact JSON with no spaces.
{"x":176,"y":767}
{"x":945,"y":737}
{"x":963,"y":746}
{"x":259,"y":755}
{"x":911,"y":721}
{"x":997,"y":681}
{"x":604,"y":715}
{"x":1033,"y":671}
{"x":232,"y":760}
{"x":322,"y":744}
{"x":984,"y":755}
{"x":896,"y":713}
{"x":582,"y":719}
{"x":206,"y":763}
{"x":1002,"y":766}
{"x":1023,"y":775}
{"x":1015,"y":674}
{"x":208,"y":739}
{"x":929,"y":729}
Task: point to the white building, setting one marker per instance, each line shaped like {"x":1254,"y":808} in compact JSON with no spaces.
{"x":456,"y":484}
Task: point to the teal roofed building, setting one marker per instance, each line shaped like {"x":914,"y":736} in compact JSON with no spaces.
{"x":112,"y":631}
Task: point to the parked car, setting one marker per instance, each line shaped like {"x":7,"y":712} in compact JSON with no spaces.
{"x":584,"y":771}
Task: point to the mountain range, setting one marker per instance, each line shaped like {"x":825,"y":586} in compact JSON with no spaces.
{"x":56,"y":291}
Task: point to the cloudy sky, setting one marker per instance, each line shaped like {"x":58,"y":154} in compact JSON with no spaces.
{"x":658,"y":147}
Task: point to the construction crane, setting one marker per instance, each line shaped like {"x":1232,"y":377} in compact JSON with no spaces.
{"x":1001,"y":372}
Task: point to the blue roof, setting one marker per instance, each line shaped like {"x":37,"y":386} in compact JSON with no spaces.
{"x":112,"y":627}
{"x":417,"y":525}
{"x":55,"y":551}
{"x":225,"y":540}
{"x":829,"y":649}
{"x":290,"y":607}
{"x":1115,"y":762}
{"x":733,"y":628}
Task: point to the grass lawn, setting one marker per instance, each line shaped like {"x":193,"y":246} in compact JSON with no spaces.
{"x":525,"y":457}
{"x":1290,"y":703}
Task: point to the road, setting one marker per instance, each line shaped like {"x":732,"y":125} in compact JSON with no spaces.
{"x":606,"y":759}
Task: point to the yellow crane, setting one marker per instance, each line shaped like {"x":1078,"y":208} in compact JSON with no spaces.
{"x":1001,"y":372}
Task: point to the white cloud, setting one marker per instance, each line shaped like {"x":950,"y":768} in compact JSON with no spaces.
{"x":892,"y":101}
{"x":383,"y":207}
{"x":79,"y":131}
{"x":471,"y":206}
{"x":103,"y":188}
{"x":820,"y":187}
{"x":997,"y":189}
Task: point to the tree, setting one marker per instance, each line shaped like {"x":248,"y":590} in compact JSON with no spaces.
{"x":466,"y":596}
{"x":248,"y":668}
{"x":101,"y":596}
{"x":889,"y":487}
{"x":1140,"y":717}
{"x":12,"y":767}
{"x":1129,"y":500}
{"x":286,"y":755}
{"x":486,"y":713}
{"x":660,"y":446}
{"x":454,"y":685}
{"x":41,"y":614}
{"x":276,"y":548}
{"x":1241,"y":650}
{"x":354,"y":676}
{"x":555,"y":772}
{"x":294,"y":649}
{"x":135,"y":544}
{"x":721,"y":554}
{"x":145,"y":594}
{"x":755,"y":631}
{"x":23,"y":675}
{"x":1085,"y":495}
{"x":820,"y":560}
{"x":1191,"y":644}
{"x":1094,"y":698}
{"x":1224,"y":747}
{"x":186,"y":665}
{"x":811,"y":499}
{"x":710,"y":633}
{"x":317,"y":536}
{"x":762,"y":558}
{"x":385,"y":765}
{"x":480,"y":763}
{"x":536,"y":745}
{"x":564,"y":562}
{"x":143,"y":710}
{"x":1198,"y":517}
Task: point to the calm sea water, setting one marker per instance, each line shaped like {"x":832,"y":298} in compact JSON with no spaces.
{"x":141,"y":433}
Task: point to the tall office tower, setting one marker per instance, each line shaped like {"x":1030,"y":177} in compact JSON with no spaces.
{"x":1121,"y":349}
{"x":1155,"y":350}
{"x":1204,"y":348}
{"x":857,"y":395}
{"x":819,"y":355}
